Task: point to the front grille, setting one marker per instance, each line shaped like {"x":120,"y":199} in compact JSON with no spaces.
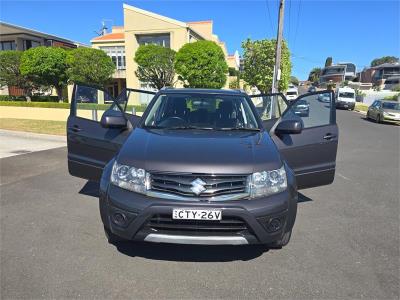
{"x":164,"y":222}
{"x":215,"y":185}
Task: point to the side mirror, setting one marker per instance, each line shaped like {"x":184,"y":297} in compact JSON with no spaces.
{"x":289,"y":127}
{"x":113,"y":119}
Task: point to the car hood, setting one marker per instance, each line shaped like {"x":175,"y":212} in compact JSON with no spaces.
{"x":200,"y":151}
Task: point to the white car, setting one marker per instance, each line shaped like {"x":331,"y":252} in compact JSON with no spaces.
{"x":345,"y":98}
{"x":292,"y":93}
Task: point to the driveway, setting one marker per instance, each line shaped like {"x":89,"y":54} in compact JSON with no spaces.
{"x":15,"y":143}
{"x":345,"y":242}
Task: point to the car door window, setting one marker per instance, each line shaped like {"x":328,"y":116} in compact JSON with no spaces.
{"x":313,"y":109}
{"x":269,"y":106}
{"x":91,"y":102}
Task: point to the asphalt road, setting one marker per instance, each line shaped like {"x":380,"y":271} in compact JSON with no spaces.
{"x":345,"y":242}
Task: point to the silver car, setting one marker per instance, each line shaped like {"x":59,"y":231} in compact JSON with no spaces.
{"x":384,"y":111}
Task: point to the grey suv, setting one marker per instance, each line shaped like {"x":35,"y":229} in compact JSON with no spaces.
{"x":201,"y":166}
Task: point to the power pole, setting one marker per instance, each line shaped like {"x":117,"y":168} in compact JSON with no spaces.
{"x":277,"y":69}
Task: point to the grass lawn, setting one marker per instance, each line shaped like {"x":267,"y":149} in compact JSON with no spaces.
{"x":38,"y":126}
{"x":361,"y":106}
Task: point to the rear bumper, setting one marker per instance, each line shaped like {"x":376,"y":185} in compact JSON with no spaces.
{"x":243,"y":221}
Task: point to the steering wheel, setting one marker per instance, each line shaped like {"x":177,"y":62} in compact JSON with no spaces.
{"x":176,"y":118}
{"x":173,"y":121}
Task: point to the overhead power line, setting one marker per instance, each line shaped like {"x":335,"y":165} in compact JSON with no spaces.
{"x":270,"y":20}
{"x":297,"y":25}
{"x":289,"y":16}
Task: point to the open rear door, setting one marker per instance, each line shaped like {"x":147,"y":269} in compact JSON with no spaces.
{"x":90,"y":145}
{"x":312,"y":153}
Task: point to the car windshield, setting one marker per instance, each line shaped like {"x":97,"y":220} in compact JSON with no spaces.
{"x":201,"y":111}
{"x":391,"y":105}
{"x":291,"y":93}
{"x":346,"y":95}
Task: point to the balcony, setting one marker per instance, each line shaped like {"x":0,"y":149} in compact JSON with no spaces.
{"x":119,"y":74}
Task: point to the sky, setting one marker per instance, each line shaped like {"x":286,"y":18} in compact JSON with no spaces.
{"x":349,"y":31}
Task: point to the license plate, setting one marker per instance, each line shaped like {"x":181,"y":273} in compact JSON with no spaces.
{"x":197,"y":214}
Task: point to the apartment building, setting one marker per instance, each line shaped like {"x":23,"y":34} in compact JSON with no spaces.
{"x":145,"y":27}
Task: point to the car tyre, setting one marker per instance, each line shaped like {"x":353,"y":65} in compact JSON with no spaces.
{"x":282,"y":242}
{"x":378,"y":119}
{"x":367,"y":116}
{"x":112,"y":238}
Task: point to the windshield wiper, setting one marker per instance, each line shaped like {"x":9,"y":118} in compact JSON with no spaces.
{"x":239,"y":128}
{"x":153,"y":127}
{"x":189,"y":127}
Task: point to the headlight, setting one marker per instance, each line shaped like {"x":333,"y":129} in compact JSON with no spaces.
{"x":130,"y":178}
{"x":267,"y":183}
{"x":385,"y":114}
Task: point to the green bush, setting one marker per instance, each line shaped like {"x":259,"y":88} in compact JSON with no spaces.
{"x":396,"y":88}
{"x":12,"y":98}
{"x":393,"y":98}
{"x":33,"y":98}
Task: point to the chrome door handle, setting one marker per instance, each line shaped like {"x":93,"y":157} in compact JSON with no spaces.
{"x":74,"y":129}
{"x":329,"y":136}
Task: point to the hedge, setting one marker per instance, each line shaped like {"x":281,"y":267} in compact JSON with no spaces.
{"x":33,"y":98}
{"x":89,"y":106}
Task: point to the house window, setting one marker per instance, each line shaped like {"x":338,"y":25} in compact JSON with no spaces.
{"x":158,"y":39}
{"x":117,"y":54}
{"x":8,"y":45}
{"x":30,"y":44}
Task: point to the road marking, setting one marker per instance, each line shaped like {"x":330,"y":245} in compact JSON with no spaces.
{"x":344,"y":177}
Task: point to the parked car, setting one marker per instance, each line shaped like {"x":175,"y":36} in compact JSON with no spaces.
{"x":324,"y":98}
{"x":302,"y":108}
{"x":312,"y":89}
{"x":384,"y":111}
{"x":292,"y":93}
{"x":345,"y":98}
{"x":201,"y":166}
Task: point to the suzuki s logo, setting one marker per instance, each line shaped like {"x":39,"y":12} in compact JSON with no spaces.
{"x":198,"y":186}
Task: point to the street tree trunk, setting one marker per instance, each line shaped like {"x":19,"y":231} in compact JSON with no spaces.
{"x":59,"y":93}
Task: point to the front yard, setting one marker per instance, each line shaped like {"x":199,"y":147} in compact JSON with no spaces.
{"x":37,"y":126}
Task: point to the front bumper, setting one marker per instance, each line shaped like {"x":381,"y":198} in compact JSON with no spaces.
{"x":344,"y":104}
{"x":243,"y":221}
{"x":391,"y":119}
{"x":302,"y":112}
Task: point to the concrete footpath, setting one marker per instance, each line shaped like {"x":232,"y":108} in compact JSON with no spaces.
{"x":17,"y":142}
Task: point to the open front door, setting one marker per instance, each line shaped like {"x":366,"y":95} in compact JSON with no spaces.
{"x":91,"y":144}
{"x":311,"y":153}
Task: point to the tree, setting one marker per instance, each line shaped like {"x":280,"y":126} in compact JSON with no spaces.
{"x":294,"y":80}
{"x":233,"y":72}
{"x":328,"y":61}
{"x":314,"y":75}
{"x":384,"y":59}
{"x":155,"y":65}
{"x":46,"y":66}
{"x":201,"y":65}
{"x":259,"y":61}
{"x":10,"y":74}
{"x":90,"y":66}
